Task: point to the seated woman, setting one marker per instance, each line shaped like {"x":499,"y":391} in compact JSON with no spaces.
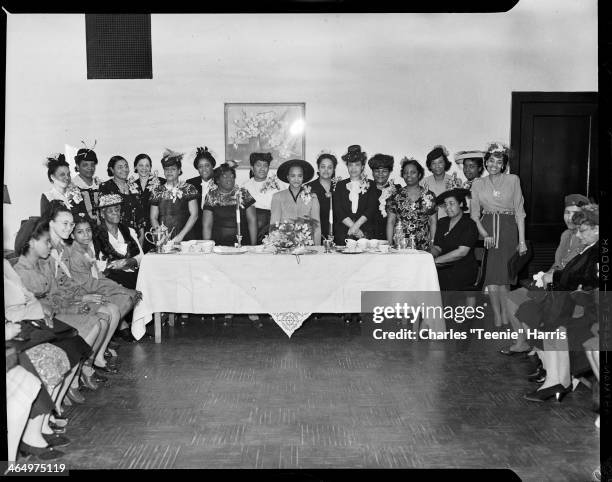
{"x":62,"y":188}
{"x":556,"y":310}
{"x":117,"y":244}
{"x":453,"y":249}
{"x":84,"y":268}
{"x":55,"y":362}
{"x":569,"y":246}
{"x":44,"y":271}
{"x":297,"y":201}
{"x":219,"y":221}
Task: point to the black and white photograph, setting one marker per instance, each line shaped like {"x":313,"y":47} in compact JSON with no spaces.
{"x":306,"y":240}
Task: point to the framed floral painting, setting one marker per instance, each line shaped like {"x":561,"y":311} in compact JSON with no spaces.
{"x":277,"y":128}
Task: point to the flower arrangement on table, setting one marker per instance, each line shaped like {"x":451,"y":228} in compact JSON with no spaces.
{"x":290,"y":236}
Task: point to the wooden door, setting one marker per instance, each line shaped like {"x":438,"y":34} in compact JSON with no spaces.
{"x":554,"y":141}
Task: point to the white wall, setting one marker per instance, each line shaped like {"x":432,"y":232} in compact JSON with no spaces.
{"x":393,"y":83}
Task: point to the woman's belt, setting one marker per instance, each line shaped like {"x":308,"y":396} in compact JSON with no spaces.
{"x":496,"y":215}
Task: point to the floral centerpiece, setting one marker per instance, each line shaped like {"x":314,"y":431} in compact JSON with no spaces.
{"x":290,"y":236}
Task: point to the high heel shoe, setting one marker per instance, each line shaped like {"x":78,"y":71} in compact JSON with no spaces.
{"x":89,"y":382}
{"x":56,"y":440}
{"x":538,"y":376}
{"x":74,"y":396}
{"x":106,"y":369}
{"x":41,"y":453}
{"x":558,"y":391}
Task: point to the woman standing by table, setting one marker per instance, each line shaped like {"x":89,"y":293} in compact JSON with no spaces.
{"x":131,"y":213}
{"x":220,"y":216}
{"x":382,"y":165}
{"x":413,"y":206}
{"x":297,"y":201}
{"x":205,"y":163}
{"x":355,"y":200}
{"x":323,"y":186}
{"x":62,"y":188}
{"x":174,"y":204}
{"x":145,"y":182}
{"x":502,"y":225}
{"x":437,"y":162}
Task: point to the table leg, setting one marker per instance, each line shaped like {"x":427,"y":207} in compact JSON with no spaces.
{"x":157,"y":322}
{"x":171,"y":319}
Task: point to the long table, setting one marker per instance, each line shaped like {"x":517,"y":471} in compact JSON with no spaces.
{"x":288,"y":287}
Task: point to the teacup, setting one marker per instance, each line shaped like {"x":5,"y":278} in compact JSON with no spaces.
{"x":363,"y":243}
{"x":350,"y":244}
{"x":373,"y":243}
{"x":383,"y":248}
{"x":166,"y":248}
{"x":206,"y":246}
{"x":186,"y":246}
{"x":382,"y":241}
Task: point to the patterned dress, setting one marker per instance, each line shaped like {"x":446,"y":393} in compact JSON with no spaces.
{"x":414,"y":215}
{"x":173,"y":204}
{"x":223,"y":206}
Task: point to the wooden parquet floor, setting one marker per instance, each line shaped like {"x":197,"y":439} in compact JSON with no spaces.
{"x":215,"y":397}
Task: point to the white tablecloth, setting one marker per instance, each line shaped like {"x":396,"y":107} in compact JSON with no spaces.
{"x":275,"y":284}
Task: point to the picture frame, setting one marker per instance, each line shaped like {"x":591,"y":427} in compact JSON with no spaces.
{"x":274,"y":127}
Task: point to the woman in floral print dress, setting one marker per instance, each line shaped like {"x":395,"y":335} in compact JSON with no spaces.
{"x":414,"y":206}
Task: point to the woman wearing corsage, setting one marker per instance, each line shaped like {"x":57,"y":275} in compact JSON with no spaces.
{"x":220,"y":217}
{"x":174,"y":204}
{"x":89,"y":185}
{"x":382,"y":165}
{"x":62,"y":188}
{"x":119,"y":183}
{"x":502,"y":225}
{"x":413,"y":206}
{"x":262,"y":187}
{"x":323,"y":186}
{"x":298,"y":201}
{"x":355,"y":200}
{"x":146,"y":182}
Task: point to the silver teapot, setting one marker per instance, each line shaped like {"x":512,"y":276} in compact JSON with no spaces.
{"x":158,"y":237}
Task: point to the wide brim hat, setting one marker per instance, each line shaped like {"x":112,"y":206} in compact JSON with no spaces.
{"x":25,"y":233}
{"x":381,"y":161}
{"x":458,"y":193}
{"x":108,"y":200}
{"x":469,"y":155}
{"x":283,"y":169}
{"x":576,"y":200}
{"x":355,"y":154}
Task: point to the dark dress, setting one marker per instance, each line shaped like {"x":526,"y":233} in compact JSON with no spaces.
{"x":460,"y":274}
{"x":73,"y":201}
{"x":196,"y":182}
{"x":379,"y":223}
{"x":102,"y":245}
{"x":144,"y":200}
{"x":173,"y":206}
{"x":223,"y":207}
{"x":324,"y":199}
{"x":366,"y":206}
{"x":557,"y":307}
{"x":131,"y":210}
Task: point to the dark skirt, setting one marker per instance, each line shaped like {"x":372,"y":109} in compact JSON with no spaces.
{"x":497,"y":258}
{"x":126,"y":279}
{"x":341,"y":230}
{"x":263,"y":223}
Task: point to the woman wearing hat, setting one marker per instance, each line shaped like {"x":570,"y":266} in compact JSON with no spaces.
{"x":219,"y":220}
{"x":571,"y":286}
{"x":120,"y":183}
{"x":62,"y":188}
{"x":437,"y":162}
{"x":453,"y":246}
{"x":382,"y":165}
{"x":204,"y":163}
{"x":323,"y":187}
{"x":117,"y":243}
{"x":297,"y":201}
{"x":570,"y":245}
{"x":502,"y":225}
{"x":174,"y":203}
{"x":262,"y":186}
{"x":86,"y":162}
{"x":413,"y":206}
{"x":472,"y":165}
{"x":355,"y":200}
